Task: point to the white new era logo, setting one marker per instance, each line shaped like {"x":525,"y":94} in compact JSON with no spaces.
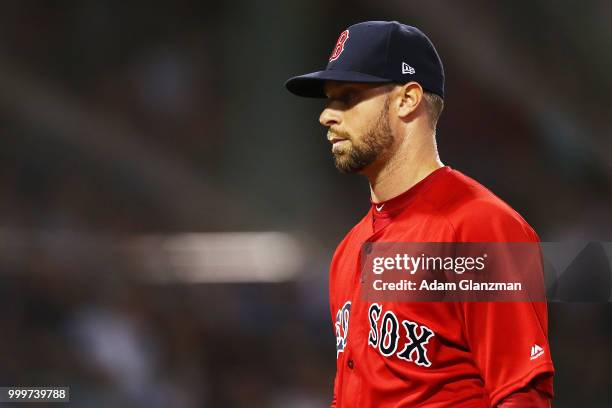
{"x":536,"y":351}
{"x":407,"y":69}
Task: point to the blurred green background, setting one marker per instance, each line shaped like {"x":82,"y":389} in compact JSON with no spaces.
{"x":168,"y":210}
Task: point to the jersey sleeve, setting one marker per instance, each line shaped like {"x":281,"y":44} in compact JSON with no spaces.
{"x":509,"y":340}
{"x":502,"y":338}
{"x":530,"y":396}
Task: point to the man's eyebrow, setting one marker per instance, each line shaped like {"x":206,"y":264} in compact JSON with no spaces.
{"x":340,"y":89}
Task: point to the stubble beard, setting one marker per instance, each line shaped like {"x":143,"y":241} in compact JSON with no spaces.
{"x":374,"y":145}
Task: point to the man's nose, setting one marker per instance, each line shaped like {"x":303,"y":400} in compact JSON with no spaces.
{"x":329,"y":117}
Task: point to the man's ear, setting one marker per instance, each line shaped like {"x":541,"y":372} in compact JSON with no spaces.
{"x":409,"y":98}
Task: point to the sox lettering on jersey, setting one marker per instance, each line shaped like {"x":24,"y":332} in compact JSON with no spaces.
{"x":374,"y":315}
{"x":416,"y":346}
{"x":385,"y":336}
{"x":388,"y":334}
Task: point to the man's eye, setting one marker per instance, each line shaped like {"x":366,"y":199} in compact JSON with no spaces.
{"x":347,"y":97}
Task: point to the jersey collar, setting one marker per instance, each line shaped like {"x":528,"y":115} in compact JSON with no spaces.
{"x":396,"y":204}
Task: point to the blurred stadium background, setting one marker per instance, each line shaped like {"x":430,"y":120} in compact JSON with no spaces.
{"x":168,"y":210}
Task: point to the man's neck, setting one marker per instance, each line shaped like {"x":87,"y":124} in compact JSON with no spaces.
{"x":401,"y":172}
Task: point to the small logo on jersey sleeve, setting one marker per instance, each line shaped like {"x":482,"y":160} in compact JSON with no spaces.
{"x":536,"y":351}
{"x":339,"y":45}
{"x":342,"y":326}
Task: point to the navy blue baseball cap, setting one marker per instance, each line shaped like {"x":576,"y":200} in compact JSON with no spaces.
{"x":377,"y":52}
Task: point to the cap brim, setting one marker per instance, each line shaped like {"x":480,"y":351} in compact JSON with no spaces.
{"x":311,"y":85}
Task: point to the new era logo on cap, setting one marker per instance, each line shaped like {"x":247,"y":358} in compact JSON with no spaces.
{"x":376,"y":52}
{"x":407,"y":69}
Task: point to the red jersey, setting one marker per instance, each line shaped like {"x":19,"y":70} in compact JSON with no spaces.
{"x":443,"y":354}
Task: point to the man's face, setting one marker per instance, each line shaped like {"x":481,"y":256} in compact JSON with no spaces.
{"x":357,"y":118}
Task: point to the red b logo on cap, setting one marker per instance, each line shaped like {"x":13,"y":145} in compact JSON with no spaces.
{"x":339,"y":46}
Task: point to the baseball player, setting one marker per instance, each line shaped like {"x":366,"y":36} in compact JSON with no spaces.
{"x":384,"y":85}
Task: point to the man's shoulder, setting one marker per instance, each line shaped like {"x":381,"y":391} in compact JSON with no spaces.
{"x":475,"y":212}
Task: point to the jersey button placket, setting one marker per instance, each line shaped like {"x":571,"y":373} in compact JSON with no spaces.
{"x":350,"y":363}
{"x":367,"y":250}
